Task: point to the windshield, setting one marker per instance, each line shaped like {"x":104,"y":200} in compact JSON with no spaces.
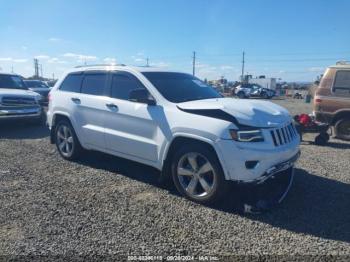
{"x":180,"y":87}
{"x":11,"y":82}
{"x":36,"y":84}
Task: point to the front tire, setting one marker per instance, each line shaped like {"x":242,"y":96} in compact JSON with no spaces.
{"x":342,"y":129}
{"x":66,"y":140}
{"x":197,"y":174}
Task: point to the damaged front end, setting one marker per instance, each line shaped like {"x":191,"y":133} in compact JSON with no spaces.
{"x":270,"y":189}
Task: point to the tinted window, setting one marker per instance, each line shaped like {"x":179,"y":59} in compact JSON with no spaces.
{"x":72,"y":83}
{"x":31,"y":83}
{"x":94,"y":84}
{"x":12,"y":82}
{"x":180,"y":87}
{"x":122,"y":84}
{"x":342,"y":80}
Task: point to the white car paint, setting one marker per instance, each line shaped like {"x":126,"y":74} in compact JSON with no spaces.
{"x":144,"y":133}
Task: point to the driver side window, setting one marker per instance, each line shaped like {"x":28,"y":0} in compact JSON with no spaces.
{"x":123,"y":84}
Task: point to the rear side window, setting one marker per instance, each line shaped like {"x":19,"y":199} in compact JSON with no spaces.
{"x":72,"y":83}
{"x":94,"y":84}
{"x":342,"y":80}
{"x":122,"y":84}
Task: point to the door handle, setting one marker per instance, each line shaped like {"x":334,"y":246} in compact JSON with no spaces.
{"x":112,"y":106}
{"x":76,"y":100}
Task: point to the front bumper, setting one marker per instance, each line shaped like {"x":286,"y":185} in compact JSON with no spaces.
{"x":20,"y":113}
{"x":234,"y":156}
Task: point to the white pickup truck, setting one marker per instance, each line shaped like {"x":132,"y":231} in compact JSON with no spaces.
{"x":17,"y":101}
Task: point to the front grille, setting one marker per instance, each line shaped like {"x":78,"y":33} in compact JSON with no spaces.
{"x":15,"y":101}
{"x":284,"y":135}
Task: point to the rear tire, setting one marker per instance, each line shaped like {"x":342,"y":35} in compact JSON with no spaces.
{"x":197,"y":174}
{"x":342,"y":129}
{"x":66,"y":141}
{"x":241,"y":95}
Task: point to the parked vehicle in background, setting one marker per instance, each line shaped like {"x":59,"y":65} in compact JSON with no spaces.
{"x":332,"y":99}
{"x":17,"y":101}
{"x":254,"y":90}
{"x":176,"y":123}
{"x":39,"y":87}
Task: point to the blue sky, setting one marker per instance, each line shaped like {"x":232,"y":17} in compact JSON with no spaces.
{"x":292,"y":40}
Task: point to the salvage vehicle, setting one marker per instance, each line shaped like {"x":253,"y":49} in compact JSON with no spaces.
{"x":332,"y":99}
{"x":176,"y":123}
{"x":254,"y":90}
{"x":39,"y":87}
{"x":17,"y":101}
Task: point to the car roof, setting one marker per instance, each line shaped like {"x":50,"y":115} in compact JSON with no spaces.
{"x":341,"y":65}
{"x":112,"y":67}
{"x":11,"y":74}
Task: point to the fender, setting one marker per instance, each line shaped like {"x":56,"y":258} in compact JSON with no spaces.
{"x":195,"y":137}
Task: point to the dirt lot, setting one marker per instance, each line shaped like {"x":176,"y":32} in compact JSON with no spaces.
{"x":104,"y":205}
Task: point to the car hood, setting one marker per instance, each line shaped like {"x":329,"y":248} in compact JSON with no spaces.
{"x":245,"y":111}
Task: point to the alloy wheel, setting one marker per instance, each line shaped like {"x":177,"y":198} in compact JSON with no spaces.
{"x":65,"y":140}
{"x":196,"y":175}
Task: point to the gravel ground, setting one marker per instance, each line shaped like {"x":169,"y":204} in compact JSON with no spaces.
{"x":104,"y":205}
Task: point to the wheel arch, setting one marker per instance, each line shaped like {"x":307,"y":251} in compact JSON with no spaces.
{"x":181,"y":139}
{"x":340,"y":115}
{"x":55,"y":119}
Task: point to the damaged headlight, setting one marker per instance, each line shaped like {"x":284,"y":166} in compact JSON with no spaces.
{"x":247,"y":135}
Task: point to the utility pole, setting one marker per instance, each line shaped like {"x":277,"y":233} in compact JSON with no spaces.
{"x":36,"y":67}
{"x":243,"y":61}
{"x":41,"y":70}
{"x":12,"y":69}
{"x":147,"y":61}
{"x":194,"y":63}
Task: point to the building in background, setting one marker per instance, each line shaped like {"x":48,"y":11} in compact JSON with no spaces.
{"x":269,"y":83}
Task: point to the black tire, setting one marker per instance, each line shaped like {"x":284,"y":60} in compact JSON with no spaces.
{"x":321,"y":139}
{"x":219,"y":185}
{"x":342,"y":129}
{"x":241,"y":95}
{"x":75,"y":146}
{"x":265,"y":95}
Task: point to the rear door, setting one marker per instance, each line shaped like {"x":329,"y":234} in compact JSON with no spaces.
{"x":132,"y":128}
{"x":91,"y":108}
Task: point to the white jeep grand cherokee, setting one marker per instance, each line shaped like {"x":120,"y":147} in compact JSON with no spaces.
{"x":175,"y":123}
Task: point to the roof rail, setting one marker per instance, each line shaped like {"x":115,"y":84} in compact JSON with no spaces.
{"x":99,"y":65}
{"x":343,"y":62}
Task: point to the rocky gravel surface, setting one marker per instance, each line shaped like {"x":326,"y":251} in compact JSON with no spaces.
{"x":103,"y":205}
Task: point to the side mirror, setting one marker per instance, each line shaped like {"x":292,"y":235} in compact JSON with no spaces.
{"x":141,"y":95}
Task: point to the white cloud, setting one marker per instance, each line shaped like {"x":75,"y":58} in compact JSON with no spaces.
{"x":54,"y":39}
{"x":315,"y":69}
{"x":160,"y":64}
{"x":110,"y":60}
{"x":44,"y":57}
{"x":138,"y":59}
{"x":80,"y":57}
{"x":21,"y":60}
{"x":5,"y":59}
{"x":14,"y":60}
{"x":226,"y":67}
{"x":55,"y":60}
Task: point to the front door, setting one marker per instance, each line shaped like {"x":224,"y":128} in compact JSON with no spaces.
{"x":131,"y":128}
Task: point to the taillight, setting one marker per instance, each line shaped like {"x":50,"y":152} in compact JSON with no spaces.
{"x":318,"y":100}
